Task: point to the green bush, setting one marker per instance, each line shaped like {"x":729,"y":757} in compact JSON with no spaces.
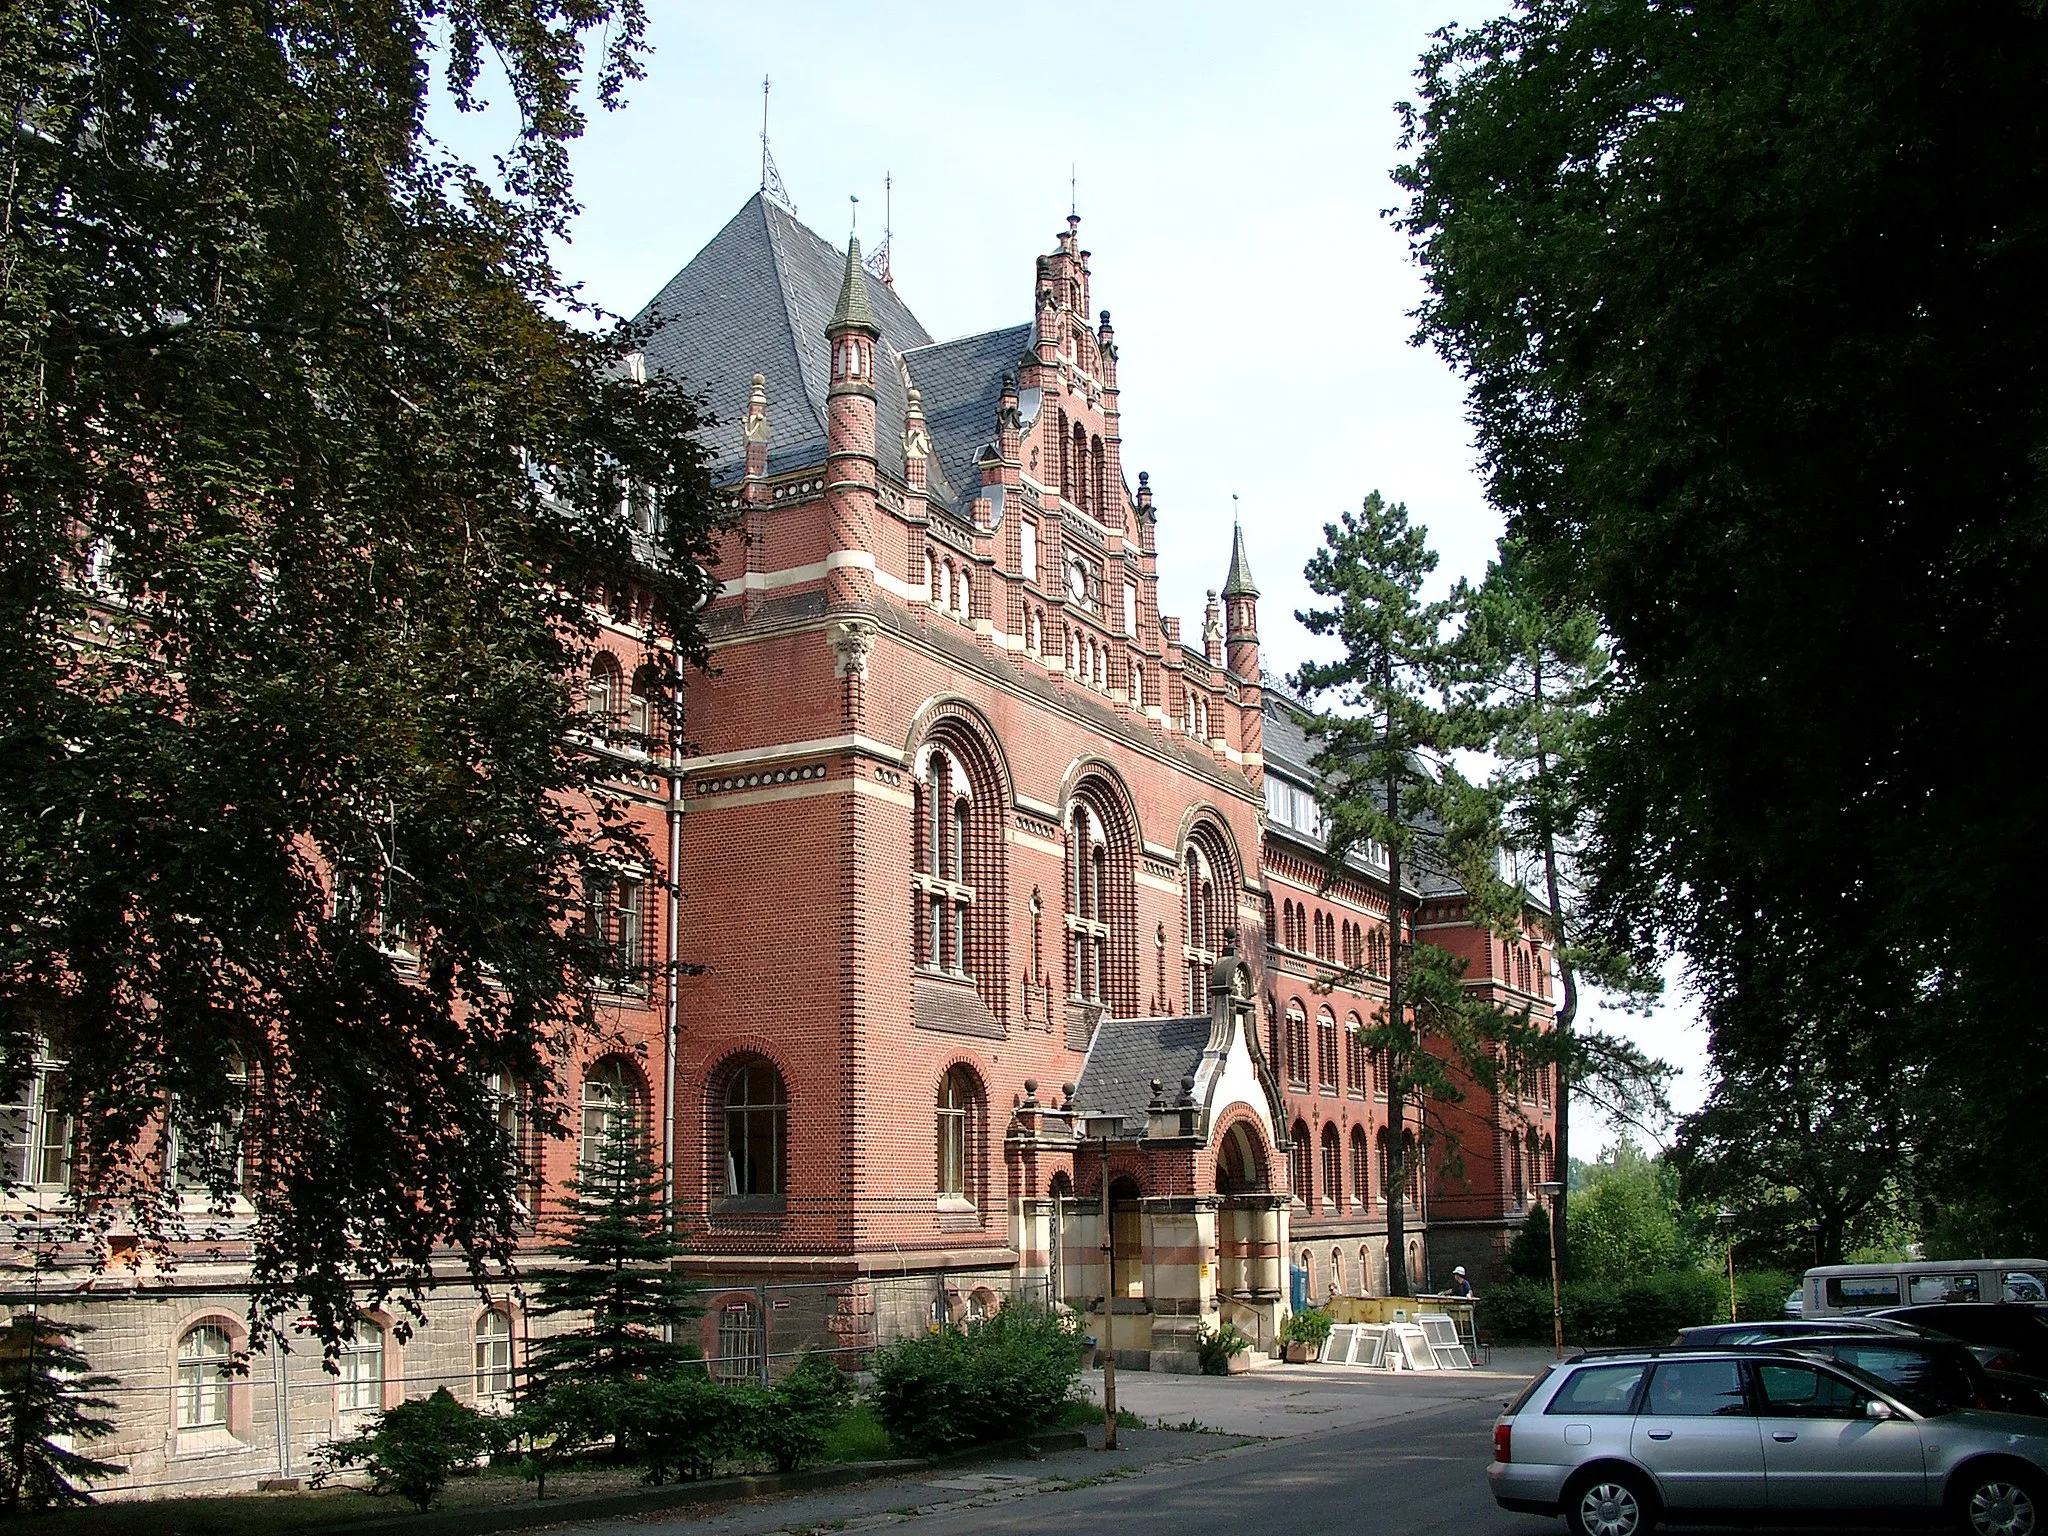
{"x":681,"y":1424}
{"x":987,"y":1381}
{"x":1311,"y":1325}
{"x":410,"y":1449}
{"x":1651,"y":1309}
{"x":1216,"y":1346}
{"x":555,"y":1426}
{"x":804,"y":1408}
{"x":1760,"y":1295}
{"x":1516,"y":1308}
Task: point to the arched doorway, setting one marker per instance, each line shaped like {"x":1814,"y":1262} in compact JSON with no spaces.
{"x":1127,"y":1241}
{"x":1059,"y":1195}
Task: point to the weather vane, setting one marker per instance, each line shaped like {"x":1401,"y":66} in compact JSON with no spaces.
{"x":771,"y":178}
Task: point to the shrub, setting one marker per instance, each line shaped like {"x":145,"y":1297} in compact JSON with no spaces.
{"x":804,"y":1408}
{"x":1760,"y":1295}
{"x":47,"y":1394}
{"x":1651,"y":1309}
{"x":560,"y":1423}
{"x":1516,"y":1308}
{"x":1215,"y":1347}
{"x":410,"y":1449}
{"x":987,"y":1381}
{"x":681,"y":1424}
{"x":1311,"y":1325}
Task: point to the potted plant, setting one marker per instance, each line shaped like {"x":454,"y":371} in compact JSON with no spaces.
{"x":1225,"y":1352}
{"x":1303,"y":1334}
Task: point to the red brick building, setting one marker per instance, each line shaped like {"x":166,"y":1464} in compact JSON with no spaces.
{"x":968,"y":829}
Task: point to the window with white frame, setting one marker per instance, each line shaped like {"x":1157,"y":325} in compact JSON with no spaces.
{"x":36,"y":1132}
{"x":205,"y":1150}
{"x":755,"y":1130}
{"x":1087,"y":903}
{"x":944,"y":872}
{"x":493,"y":1372}
{"x":958,"y":1116}
{"x":205,"y":1358}
{"x":611,"y":1107}
{"x":614,"y":919}
{"x":360,"y":1361}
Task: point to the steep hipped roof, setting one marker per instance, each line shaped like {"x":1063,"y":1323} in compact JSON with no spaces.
{"x":757,"y":299}
{"x":1125,"y":1057}
{"x":961,"y":383}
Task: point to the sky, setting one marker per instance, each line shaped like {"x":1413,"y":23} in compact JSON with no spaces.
{"x":1231,"y":166}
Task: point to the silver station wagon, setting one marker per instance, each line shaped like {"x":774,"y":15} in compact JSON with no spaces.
{"x":1619,"y":1440}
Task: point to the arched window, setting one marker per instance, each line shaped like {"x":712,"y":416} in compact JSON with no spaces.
{"x":1274,"y":1060}
{"x":643,"y":721}
{"x":1386,"y":1151}
{"x":611,"y":1108}
{"x":1308,"y":1272}
{"x":1097,"y":502}
{"x":1357,"y":1069}
{"x":1516,"y":1194}
{"x":948,"y":854}
{"x":1297,"y":1046}
{"x":1336,"y":1271}
{"x":1361,"y":1171}
{"x":361,"y":1362}
{"x":493,"y":1357}
{"x":205,"y":1356}
{"x":1333,"y":1168}
{"x":756,"y":1132}
{"x":1087,"y":908}
{"x":1298,"y":1155}
{"x":1078,"y":458}
{"x":1202,"y":718}
{"x":964,"y":596}
{"x":1412,"y":1166}
{"x":1207,"y":881}
{"x":1326,"y":1050}
{"x":959,"y":1135}
{"x":1102,"y":933}
{"x":601,"y":694}
{"x":1137,"y":686}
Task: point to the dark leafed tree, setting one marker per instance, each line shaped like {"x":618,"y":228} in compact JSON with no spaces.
{"x":1383,"y":751}
{"x":611,"y":1269}
{"x":1536,"y":670}
{"x":307,"y":494}
{"x":49,"y":1407}
{"x":1748,"y":300}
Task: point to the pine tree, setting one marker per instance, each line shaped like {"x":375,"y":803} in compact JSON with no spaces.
{"x":46,"y":1394}
{"x":613,"y":1265}
{"x":1537,"y":671}
{"x":1384,"y":756}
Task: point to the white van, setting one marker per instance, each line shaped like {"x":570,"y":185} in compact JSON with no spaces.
{"x":1835,"y":1290}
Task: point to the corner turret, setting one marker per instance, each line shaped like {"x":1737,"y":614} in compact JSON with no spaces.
{"x":1241,"y":611}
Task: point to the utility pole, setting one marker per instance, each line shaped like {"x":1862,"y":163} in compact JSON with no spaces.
{"x":1551,"y":1190}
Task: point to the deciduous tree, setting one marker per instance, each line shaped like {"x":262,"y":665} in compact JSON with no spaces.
{"x":313,"y":473}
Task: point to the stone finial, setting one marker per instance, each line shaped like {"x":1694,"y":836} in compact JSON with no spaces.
{"x":917,"y":440}
{"x":1158,"y":1094}
{"x":757,"y":410}
{"x":1212,"y":632}
{"x":1187,"y":1090}
{"x":1067,"y":1093}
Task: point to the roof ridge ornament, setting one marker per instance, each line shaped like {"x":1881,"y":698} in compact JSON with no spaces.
{"x":1239,"y":583}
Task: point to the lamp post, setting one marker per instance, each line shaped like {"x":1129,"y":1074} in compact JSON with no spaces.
{"x":1102,"y":1130}
{"x":1550,"y":1189}
{"x":1727,"y":1219}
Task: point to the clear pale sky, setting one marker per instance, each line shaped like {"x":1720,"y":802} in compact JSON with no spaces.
{"x":1231,"y":168}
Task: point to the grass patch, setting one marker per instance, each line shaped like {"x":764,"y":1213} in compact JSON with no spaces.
{"x":859,"y":1436}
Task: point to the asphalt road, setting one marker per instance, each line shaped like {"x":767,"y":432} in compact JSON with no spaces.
{"x":1423,"y":1473}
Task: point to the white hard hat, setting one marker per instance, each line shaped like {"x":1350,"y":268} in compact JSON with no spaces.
{"x":1459,"y":1270}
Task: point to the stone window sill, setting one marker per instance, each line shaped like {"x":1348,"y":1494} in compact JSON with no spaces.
{"x":749,"y":1205}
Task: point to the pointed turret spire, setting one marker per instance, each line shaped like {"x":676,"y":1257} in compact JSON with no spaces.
{"x":852,"y":309}
{"x":1239,"y":583}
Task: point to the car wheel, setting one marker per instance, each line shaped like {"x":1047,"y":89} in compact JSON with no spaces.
{"x":2000,"y":1501}
{"x":1611,"y":1504}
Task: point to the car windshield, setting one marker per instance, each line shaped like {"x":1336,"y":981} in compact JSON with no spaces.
{"x":1942,"y":1373}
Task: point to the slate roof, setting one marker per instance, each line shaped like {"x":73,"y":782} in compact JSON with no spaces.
{"x":1239,"y":582}
{"x":959,"y":384}
{"x":1127,"y":1054}
{"x":757,"y":299}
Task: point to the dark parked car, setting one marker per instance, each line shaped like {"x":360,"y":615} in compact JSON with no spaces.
{"x":2017,"y":1330}
{"x":1939,"y":1369}
{"x":1747,"y":1335}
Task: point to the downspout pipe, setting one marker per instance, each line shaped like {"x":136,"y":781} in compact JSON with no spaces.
{"x":674,"y":955}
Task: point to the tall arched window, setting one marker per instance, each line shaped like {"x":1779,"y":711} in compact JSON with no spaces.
{"x":1297,"y":1046}
{"x":1078,"y":457}
{"x":1326,"y":1051}
{"x":756,"y":1132}
{"x":959,"y":1135}
{"x":1097,"y":501}
{"x":204,"y":1359}
{"x":1357,"y":1069}
{"x":1298,"y":1155}
{"x":493,"y":1352}
{"x":361,"y":1363}
{"x":963,"y":597}
{"x":1087,"y":903}
{"x":1386,"y":1151}
{"x":601,"y":694}
{"x":1274,"y":1060}
{"x":1516,"y":1196}
{"x":1333,"y":1168}
{"x":945,"y":875}
{"x":1361,"y":1170}
{"x":1137,"y":686}
{"x":1207,"y":881}
{"x":611,"y":1107}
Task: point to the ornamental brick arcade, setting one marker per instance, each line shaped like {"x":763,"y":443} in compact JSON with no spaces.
{"x":966,"y":845}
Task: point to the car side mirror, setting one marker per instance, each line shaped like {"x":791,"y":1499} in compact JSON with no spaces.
{"x":1876,"y":1409}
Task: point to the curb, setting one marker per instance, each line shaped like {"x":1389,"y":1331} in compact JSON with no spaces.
{"x":718,"y":1490}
